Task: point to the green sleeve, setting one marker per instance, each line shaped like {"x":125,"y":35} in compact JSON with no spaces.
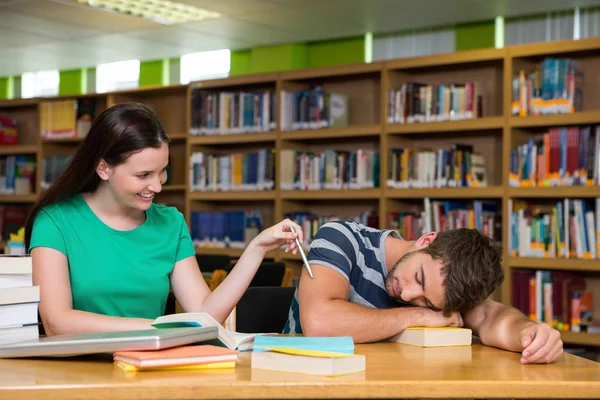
{"x":185,"y":247}
{"x":45,"y":233}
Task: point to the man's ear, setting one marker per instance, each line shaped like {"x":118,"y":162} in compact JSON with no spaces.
{"x":425,"y":240}
{"x":103,"y":170}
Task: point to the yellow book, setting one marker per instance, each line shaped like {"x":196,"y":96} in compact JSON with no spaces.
{"x":434,"y":337}
{"x":217,"y":365}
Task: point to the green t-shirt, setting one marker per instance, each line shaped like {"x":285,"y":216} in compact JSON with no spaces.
{"x":117,"y":273}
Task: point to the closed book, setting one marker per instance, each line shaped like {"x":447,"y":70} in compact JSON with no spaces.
{"x":178,"y":356}
{"x":308,"y":362}
{"x":434,"y":337}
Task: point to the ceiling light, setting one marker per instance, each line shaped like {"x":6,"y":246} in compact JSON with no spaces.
{"x":159,"y":11}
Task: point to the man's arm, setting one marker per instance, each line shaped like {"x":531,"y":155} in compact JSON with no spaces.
{"x":326,"y":311}
{"x":507,"y":328}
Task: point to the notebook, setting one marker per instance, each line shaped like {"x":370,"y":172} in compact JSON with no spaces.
{"x":178,"y":356}
{"x":328,"y":356}
{"x":434,"y":337}
{"x":107,"y":342}
{"x":231,"y":340}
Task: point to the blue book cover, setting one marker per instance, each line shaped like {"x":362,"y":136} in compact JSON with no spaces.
{"x":337,"y":344}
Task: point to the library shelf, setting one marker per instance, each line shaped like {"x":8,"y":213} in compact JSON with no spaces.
{"x":330,"y":133}
{"x":75,"y":140}
{"x":577,"y":118}
{"x":233,"y":253}
{"x":331,"y":72}
{"x":18,"y":149}
{"x":581,"y":338}
{"x":554,"y":192}
{"x":174,"y":188}
{"x":233,"y":138}
{"x":241,"y":80}
{"x":475,"y":124}
{"x":19,"y":103}
{"x":446,"y":193}
{"x":342,"y":194}
{"x":177,"y":136}
{"x":570,"y":264}
{"x":18,"y":198}
{"x":233,"y":195}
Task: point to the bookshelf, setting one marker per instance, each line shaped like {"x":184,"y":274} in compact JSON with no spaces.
{"x":493,"y":134}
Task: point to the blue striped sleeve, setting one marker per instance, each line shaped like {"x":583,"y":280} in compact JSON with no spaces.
{"x":334,"y":246}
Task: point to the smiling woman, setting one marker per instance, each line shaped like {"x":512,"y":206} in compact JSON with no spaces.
{"x":104,"y":255}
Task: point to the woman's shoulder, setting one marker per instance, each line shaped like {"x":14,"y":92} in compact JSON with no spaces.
{"x":165,"y":214}
{"x":63,"y":207}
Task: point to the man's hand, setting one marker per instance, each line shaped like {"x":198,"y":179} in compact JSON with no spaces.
{"x":434,"y":319}
{"x":541,"y":344}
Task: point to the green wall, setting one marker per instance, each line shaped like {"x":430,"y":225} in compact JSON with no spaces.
{"x":278,"y":58}
{"x":336,"y":52}
{"x":154,"y":72}
{"x":240,"y":62}
{"x":7,"y":88}
{"x":298,"y":55}
{"x":477,"y":35}
{"x":73,"y":81}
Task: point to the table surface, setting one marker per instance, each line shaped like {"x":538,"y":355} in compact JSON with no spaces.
{"x":393,"y":371}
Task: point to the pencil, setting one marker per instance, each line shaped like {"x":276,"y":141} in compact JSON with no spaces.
{"x":302,"y":253}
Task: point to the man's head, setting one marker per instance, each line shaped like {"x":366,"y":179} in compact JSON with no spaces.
{"x":447,"y":271}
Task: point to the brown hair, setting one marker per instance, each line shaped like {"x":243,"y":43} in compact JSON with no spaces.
{"x":118,"y":132}
{"x":471,"y":265}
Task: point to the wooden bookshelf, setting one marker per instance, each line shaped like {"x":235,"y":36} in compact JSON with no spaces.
{"x":493,"y":134}
{"x":572,"y":264}
{"x":477,"y":124}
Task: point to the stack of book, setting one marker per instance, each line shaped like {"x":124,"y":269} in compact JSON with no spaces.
{"x":184,"y":357}
{"x":18,"y":300}
{"x":329,"y":356}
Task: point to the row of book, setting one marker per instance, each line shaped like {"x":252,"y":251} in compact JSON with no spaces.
{"x":423,"y":168}
{"x":425,"y":102}
{"x":441,"y":216}
{"x":330,"y":169}
{"x":569,"y":228}
{"x":223,"y":113}
{"x":566,"y":156}
{"x":9,"y":131}
{"x":558,"y":298}
{"x":12,"y":217}
{"x":239,"y":171}
{"x":52,"y":167}
{"x":19,"y":300}
{"x":312,"y":222}
{"x":66,"y":119}
{"x":554,"y":87}
{"x":225,"y":229}
{"x":17,"y":174}
{"x":314,"y":108}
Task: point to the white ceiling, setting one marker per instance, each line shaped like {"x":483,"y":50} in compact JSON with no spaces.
{"x":48,"y":34}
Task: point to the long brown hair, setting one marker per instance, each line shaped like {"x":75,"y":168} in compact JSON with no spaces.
{"x":118,"y":132}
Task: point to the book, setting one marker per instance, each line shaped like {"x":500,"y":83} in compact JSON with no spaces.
{"x":126,"y":367}
{"x":434,"y":337}
{"x":333,"y":344}
{"x":176,"y":357}
{"x":231,"y":340}
{"x":308,"y":361}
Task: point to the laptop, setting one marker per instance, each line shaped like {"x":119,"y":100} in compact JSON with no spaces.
{"x":74,"y":344}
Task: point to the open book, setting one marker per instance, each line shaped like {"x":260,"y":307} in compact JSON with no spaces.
{"x":231,"y":340}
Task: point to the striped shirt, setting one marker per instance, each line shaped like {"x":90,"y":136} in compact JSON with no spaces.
{"x":356,"y":252}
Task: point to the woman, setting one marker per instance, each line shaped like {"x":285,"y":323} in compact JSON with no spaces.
{"x":105,"y":256}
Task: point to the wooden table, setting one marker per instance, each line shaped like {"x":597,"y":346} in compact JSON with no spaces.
{"x":393,"y":371}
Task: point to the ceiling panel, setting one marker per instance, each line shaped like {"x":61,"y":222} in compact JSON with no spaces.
{"x":188,"y":40}
{"x":239,"y":30}
{"x":19,"y":23}
{"x":42,"y":34}
{"x":71,"y":13}
{"x":233,"y":8}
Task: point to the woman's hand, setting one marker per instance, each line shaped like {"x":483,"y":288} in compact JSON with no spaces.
{"x":279,"y":235}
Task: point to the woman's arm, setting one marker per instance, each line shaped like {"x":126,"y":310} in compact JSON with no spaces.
{"x":193,"y":293}
{"x":51,"y":274}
